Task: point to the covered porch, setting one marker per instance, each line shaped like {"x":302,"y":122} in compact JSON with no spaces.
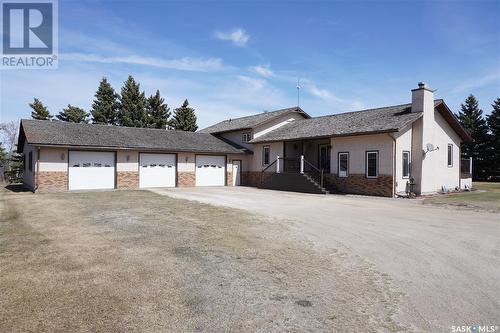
{"x":305,"y":156}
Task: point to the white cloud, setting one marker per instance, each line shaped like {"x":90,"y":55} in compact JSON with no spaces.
{"x":238,"y":36}
{"x":324,"y":94}
{"x":263,"y":70}
{"x":185,"y":64}
{"x":478,"y":82}
{"x":251,"y":83}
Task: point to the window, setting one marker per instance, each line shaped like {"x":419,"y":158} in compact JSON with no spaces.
{"x":372,"y":164}
{"x":343,"y":170}
{"x":450,"y":155}
{"x":30,"y":161}
{"x":406,"y":164}
{"x":245,"y":137}
{"x":265,"y":155}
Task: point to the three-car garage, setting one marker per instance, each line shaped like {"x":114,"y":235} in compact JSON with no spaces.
{"x":63,"y":156}
{"x":97,"y":170}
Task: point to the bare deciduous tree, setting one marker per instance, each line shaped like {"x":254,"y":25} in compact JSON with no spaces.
{"x":8,"y":132}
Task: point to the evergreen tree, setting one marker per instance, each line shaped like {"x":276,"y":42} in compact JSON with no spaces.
{"x":184,"y":118}
{"x":158,"y":113}
{"x":105,"y":105}
{"x":16,"y":168}
{"x":73,"y":114}
{"x":471,"y":117}
{"x":132,"y":111}
{"x":40,"y":111}
{"x":494,"y":126}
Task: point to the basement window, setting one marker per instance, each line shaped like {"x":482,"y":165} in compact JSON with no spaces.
{"x":265,"y":155}
{"x":450,"y":155}
{"x":371,"y":164}
{"x":406,"y":164}
{"x":343,"y":170}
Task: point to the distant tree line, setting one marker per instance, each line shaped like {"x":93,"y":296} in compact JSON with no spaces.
{"x":485,"y":131}
{"x":129,"y":108}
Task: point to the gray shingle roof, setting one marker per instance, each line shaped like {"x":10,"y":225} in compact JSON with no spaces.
{"x":386,"y":119}
{"x":249,"y":121}
{"x":44,"y":132}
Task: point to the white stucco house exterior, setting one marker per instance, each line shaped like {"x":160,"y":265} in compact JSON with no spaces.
{"x":383,"y":151}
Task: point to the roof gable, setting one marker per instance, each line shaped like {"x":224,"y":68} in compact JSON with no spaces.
{"x":380,"y":120}
{"x":250,"y":122}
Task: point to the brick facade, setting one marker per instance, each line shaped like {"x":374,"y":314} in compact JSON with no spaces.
{"x":253,"y":178}
{"x":359,"y":184}
{"x":52,"y":181}
{"x":185,"y":179}
{"x":127,"y":179}
{"x":229,"y":178}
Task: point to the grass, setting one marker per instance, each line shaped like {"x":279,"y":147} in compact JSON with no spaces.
{"x":485,"y":197}
{"x":136,"y":261}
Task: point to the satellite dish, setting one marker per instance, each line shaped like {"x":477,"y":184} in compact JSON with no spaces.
{"x":430,"y":147}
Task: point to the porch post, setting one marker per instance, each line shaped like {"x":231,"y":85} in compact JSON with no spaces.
{"x":278,"y":164}
{"x":301,"y":163}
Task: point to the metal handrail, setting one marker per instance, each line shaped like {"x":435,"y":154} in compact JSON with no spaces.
{"x":263,"y":170}
{"x":320,"y":171}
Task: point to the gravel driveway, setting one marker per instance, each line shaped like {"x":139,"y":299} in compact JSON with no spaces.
{"x":446,"y":262}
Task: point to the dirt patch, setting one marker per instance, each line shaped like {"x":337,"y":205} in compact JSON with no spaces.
{"x":137,"y":261}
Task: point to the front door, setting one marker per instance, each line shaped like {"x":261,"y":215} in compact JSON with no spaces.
{"x":324,"y":157}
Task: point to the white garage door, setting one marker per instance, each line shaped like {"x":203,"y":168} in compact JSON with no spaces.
{"x":210,"y":170}
{"x":89,"y":170}
{"x":157,"y":170}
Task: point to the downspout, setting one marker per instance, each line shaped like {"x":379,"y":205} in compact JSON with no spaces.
{"x":393,"y":165}
{"x":37,"y":169}
{"x":459,"y":166}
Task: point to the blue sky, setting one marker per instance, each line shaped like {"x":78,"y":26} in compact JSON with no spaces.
{"x":236,"y":58}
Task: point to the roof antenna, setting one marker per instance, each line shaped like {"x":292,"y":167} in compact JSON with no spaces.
{"x":298,"y":92}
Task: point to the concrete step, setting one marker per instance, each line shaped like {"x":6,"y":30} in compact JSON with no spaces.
{"x":293,"y":182}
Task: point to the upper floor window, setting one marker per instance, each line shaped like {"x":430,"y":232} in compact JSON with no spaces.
{"x":265,"y":154}
{"x":245,"y":137}
{"x":450,"y":155}
{"x":406,"y":164}
{"x":372,"y":164}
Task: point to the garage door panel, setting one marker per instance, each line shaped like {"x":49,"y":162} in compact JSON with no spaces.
{"x":210,"y":170}
{"x":157,"y":170}
{"x":90,"y":170}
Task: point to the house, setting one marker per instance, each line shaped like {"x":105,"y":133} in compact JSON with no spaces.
{"x":379,"y":151}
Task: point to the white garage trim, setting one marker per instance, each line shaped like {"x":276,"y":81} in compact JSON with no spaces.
{"x":210,"y":170}
{"x":91,"y":170}
{"x":157,"y":170}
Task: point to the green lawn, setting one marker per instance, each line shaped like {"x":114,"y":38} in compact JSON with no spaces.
{"x":485,"y":197}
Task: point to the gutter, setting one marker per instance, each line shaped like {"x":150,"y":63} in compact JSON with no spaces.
{"x":136,"y":148}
